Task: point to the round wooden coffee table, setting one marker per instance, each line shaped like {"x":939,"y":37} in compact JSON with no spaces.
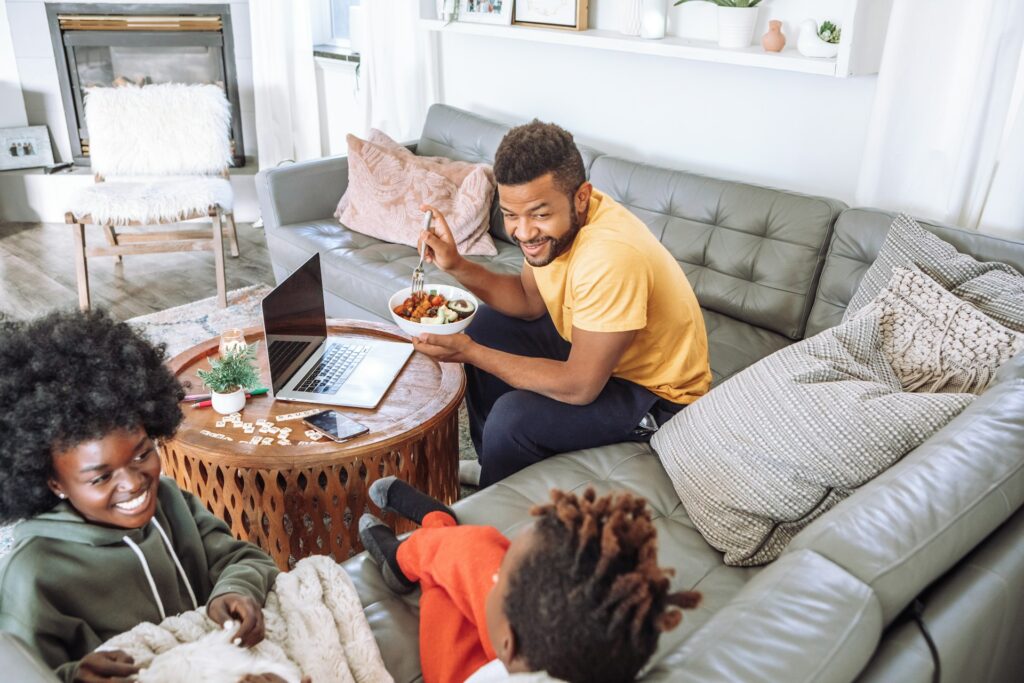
{"x":305,"y":499}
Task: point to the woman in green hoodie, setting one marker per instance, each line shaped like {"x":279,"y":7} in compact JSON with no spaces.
{"x":106,"y":543}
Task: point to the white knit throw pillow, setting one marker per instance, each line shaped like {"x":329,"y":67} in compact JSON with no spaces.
{"x":936,"y":342}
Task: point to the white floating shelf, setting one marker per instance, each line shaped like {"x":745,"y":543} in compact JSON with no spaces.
{"x":670,"y":46}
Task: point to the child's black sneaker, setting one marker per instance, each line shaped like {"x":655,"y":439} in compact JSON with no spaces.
{"x":382,"y":544}
{"x":391,"y":494}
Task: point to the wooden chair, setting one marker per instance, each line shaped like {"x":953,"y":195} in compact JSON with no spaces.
{"x":168,"y":146}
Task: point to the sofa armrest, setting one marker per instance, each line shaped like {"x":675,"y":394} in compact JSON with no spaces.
{"x":303,"y":191}
{"x":19,"y":663}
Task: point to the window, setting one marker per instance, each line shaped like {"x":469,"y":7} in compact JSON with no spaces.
{"x":340,"y":29}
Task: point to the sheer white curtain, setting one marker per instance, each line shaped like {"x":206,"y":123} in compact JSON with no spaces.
{"x":946,"y":139}
{"x":284,"y":81}
{"x":398,"y":67}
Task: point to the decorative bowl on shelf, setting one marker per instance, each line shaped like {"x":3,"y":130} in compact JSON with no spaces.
{"x":451,"y":293}
{"x":810,"y":45}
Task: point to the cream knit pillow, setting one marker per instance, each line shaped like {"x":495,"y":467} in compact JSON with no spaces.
{"x":936,"y":342}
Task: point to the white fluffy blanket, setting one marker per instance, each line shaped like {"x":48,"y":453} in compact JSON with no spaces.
{"x":167,"y":200}
{"x":315,"y":627}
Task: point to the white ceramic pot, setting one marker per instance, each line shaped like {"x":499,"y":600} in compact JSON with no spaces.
{"x":736,"y":26}
{"x":225,"y":404}
{"x":653,"y":17}
{"x":629,"y":17}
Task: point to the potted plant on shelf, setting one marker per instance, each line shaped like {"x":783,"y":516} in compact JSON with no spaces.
{"x":228,"y":378}
{"x":736,"y":20}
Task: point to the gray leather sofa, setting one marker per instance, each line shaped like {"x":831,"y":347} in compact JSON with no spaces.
{"x":943,"y":527}
{"x":942,"y":530}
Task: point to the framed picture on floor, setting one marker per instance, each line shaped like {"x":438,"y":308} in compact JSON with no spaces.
{"x":564,"y":14}
{"x":25,"y":147}
{"x":486,"y":11}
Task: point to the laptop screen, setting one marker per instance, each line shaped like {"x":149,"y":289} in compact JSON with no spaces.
{"x":295,"y":321}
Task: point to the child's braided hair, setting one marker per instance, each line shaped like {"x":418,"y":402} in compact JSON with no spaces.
{"x":589,"y":602}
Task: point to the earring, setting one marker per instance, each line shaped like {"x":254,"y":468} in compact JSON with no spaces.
{"x":61,"y":496}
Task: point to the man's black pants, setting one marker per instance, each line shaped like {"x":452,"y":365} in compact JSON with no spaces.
{"x":513,"y":428}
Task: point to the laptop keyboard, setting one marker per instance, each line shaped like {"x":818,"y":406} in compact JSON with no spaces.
{"x":282,"y":354}
{"x":334,"y":367}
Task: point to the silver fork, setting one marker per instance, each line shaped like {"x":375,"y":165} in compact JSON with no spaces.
{"x":417,"y":274}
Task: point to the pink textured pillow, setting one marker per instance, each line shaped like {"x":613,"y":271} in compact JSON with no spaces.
{"x":387,"y":183}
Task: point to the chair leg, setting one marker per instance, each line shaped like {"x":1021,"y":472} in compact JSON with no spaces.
{"x":81,"y":267}
{"x":111,"y":235}
{"x":232,"y":234}
{"x":218,"y":259}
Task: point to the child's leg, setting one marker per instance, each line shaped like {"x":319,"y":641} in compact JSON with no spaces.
{"x":450,"y":648}
{"x":461,"y":562}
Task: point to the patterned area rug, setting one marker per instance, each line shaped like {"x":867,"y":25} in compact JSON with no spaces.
{"x":185,"y":326}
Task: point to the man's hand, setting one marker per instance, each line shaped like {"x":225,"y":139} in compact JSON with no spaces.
{"x":240,"y":608}
{"x":106,"y":666}
{"x":441,"y":248}
{"x":448,"y":348}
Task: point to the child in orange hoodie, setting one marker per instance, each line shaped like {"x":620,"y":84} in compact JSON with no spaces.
{"x":578,"y":594}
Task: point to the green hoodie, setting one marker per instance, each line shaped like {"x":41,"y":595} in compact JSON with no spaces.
{"x":69,"y":584}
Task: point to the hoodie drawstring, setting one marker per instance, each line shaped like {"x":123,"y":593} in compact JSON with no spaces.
{"x":149,"y":575}
{"x":177,"y":562}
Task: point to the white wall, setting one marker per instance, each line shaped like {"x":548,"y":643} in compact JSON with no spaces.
{"x":786,"y":130}
{"x":12,"y":104}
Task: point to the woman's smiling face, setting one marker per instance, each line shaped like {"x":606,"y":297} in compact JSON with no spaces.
{"x":110,"y":481}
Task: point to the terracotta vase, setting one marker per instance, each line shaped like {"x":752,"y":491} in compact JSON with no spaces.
{"x":774,"y":41}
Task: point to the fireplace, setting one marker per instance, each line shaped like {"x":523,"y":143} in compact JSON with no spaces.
{"x":111,"y":45}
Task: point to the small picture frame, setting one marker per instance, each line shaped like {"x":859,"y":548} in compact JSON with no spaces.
{"x":486,"y":11}
{"x":25,"y":147}
{"x":569,"y":15}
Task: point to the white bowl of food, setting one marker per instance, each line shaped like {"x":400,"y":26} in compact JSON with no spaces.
{"x":441,"y":309}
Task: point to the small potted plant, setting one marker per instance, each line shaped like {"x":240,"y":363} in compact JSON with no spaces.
{"x":228,"y":378}
{"x":736,"y":20}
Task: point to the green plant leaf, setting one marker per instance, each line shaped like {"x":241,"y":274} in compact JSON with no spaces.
{"x":232,"y":371}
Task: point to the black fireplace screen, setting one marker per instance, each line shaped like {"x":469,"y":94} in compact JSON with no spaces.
{"x":114,"y":45}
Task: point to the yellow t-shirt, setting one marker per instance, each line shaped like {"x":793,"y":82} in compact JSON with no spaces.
{"x":617,"y":277}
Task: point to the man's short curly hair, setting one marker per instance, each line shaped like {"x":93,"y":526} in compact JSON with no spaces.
{"x":532,"y":150}
{"x":589,"y":602}
{"x":67,"y":378}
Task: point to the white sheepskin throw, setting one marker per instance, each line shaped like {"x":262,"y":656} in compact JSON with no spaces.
{"x":120,"y":202}
{"x":315,"y":627}
{"x":164,"y":129}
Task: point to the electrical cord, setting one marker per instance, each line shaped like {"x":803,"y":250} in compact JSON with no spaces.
{"x":917,"y":614}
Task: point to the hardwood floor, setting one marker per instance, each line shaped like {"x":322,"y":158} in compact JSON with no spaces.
{"x":37,"y":272}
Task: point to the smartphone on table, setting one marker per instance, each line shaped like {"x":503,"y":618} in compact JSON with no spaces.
{"x":334,"y":425}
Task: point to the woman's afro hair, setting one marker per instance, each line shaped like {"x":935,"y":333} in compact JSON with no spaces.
{"x":68,"y":378}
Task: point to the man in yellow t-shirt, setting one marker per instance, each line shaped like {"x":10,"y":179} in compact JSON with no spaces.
{"x":600,"y":330}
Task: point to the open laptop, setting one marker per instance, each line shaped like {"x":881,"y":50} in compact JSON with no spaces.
{"x":307,"y":365}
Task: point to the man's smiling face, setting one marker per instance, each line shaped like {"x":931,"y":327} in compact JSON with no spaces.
{"x":541,"y":219}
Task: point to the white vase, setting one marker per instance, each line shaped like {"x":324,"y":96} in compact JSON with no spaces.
{"x":629,"y":17}
{"x":653,"y":17}
{"x":736,"y":26}
{"x":225,"y":404}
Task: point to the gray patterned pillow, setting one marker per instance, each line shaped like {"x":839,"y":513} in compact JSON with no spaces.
{"x":995,"y":288}
{"x":771,"y":449}
{"x":936,"y":342}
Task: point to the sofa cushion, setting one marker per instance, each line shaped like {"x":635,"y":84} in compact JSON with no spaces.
{"x":631,"y":467}
{"x":915,"y":521}
{"x":751,"y":253}
{"x":387,"y":184}
{"x":933,"y":340}
{"x":859,"y":234}
{"x":768,"y":451}
{"x":458,"y":134}
{"x":995,"y":288}
{"x":802,"y":620}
